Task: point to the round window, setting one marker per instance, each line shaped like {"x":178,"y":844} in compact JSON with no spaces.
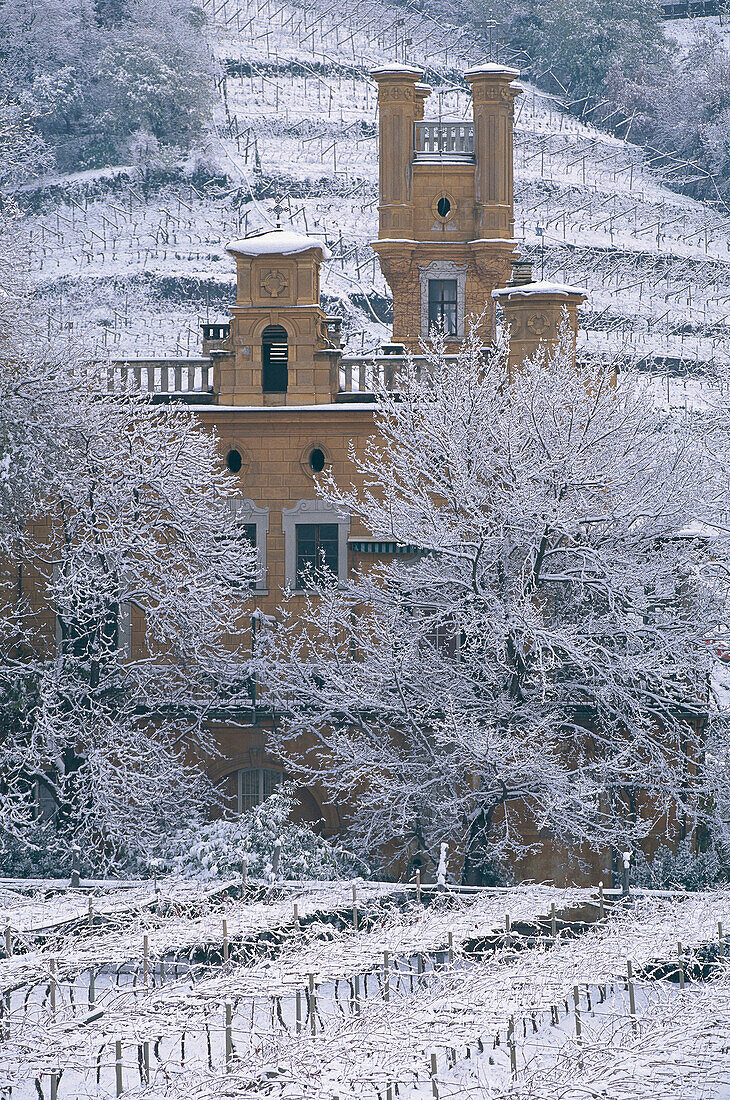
{"x":234,"y":461}
{"x":316,"y":460}
{"x":444,"y":207}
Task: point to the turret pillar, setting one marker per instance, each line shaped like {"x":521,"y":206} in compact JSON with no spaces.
{"x":399,"y":104}
{"x":493,"y":96}
{"x":533,"y":314}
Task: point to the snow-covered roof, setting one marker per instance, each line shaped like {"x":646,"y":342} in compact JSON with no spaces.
{"x":539,"y":289}
{"x":278,"y":242}
{"x":395,"y":69}
{"x":491,"y":69}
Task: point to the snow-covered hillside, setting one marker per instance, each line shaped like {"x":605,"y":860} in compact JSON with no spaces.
{"x":138,"y":270}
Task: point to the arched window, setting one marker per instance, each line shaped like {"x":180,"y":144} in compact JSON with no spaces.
{"x":275,"y":357}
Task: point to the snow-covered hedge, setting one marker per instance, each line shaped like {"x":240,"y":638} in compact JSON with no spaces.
{"x":217,"y":849}
{"x":684,"y":868}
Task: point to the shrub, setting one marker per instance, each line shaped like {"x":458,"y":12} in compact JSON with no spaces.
{"x":684,"y":869}
{"x":217,"y":849}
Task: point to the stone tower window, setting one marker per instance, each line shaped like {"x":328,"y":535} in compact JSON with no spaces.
{"x":443,"y":207}
{"x":275,"y":359}
{"x":443,"y":305}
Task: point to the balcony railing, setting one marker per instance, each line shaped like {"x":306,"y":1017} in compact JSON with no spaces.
{"x":454,"y":140}
{"x":362,"y":374}
{"x":186,"y":376}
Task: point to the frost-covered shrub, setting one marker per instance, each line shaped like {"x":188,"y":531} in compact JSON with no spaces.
{"x":684,"y":868}
{"x":217,"y":849}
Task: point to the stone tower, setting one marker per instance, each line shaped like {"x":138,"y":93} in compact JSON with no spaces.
{"x":446,"y":233}
{"x":280,"y":350}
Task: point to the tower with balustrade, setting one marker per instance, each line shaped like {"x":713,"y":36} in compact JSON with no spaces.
{"x":446,"y":210}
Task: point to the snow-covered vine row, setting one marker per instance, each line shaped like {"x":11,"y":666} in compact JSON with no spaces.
{"x":445,"y":1000}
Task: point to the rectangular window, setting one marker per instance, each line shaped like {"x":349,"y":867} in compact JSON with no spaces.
{"x":317,"y":545}
{"x":442,"y":305}
{"x":255,"y":785}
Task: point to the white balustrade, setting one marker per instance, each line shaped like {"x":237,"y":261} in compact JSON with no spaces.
{"x":444,"y":139}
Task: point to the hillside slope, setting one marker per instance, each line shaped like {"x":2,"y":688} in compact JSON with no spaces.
{"x":134,"y":267}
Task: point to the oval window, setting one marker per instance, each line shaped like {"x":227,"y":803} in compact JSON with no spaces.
{"x":443,"y":206}
{"x":317,"y":460}
{"x":234,"y":461}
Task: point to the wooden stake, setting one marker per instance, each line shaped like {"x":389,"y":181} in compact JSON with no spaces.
{"x":146,"y":958}
{"x":312,"y":1006}
{"x":54,"y":1086}
{"x":507,"y":928}
{"x":298,"y":1011}
{"x":146,"y":1060}
{"x":601,"y":905}
{"x":229,"y":1034}
{"x":354,"y":907}
{"x":434,"y":1085}
{"x":451,"y":948}
{"x":92,"y":988}
{"x":418,"y":886}
{"x":225,"y":944}
{"x":296,"y":913}
{"x":553,"y":922}
{"x":118,"y":1066}
{"x":632,"y":998}
{"x":91,"y":914}
{"x":52,"y":988}
{"x":512,"y":1046}
{"x":720,"y":939}
{"x":576,"y":1010}
{"x":681,"y":965}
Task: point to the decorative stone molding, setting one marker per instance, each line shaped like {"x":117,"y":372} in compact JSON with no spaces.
{"x":538,"y":324}
{"x":248,"y":512}
{"x":494,"y":93}
{"x":405,"y":94}
{"x":453,"y":206}
{"x":444,"y":269}
{"x":312,"y":511}
{"x":274,"y":283}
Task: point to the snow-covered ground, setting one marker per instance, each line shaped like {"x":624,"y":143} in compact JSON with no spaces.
{"x":137,"y":273}
{"x":283,"y":993}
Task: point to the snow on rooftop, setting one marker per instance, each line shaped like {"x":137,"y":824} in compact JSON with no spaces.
{"x":396,"y":69}
{"x":279,"y":242}
{"x":539,"y":289}
{"x":490,"y":69}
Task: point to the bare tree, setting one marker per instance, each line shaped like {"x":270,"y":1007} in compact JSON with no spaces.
{"x":534,"y":651}
{"x":124,"y":575}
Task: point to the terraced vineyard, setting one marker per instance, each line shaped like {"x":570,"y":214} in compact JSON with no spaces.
{"x":133,"y":270}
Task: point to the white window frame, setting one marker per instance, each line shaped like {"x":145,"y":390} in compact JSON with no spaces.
{"x":248,"y":512}
{"x":312,"y":511}
{"x":239,"y":785}
{"x":444,"y":269}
